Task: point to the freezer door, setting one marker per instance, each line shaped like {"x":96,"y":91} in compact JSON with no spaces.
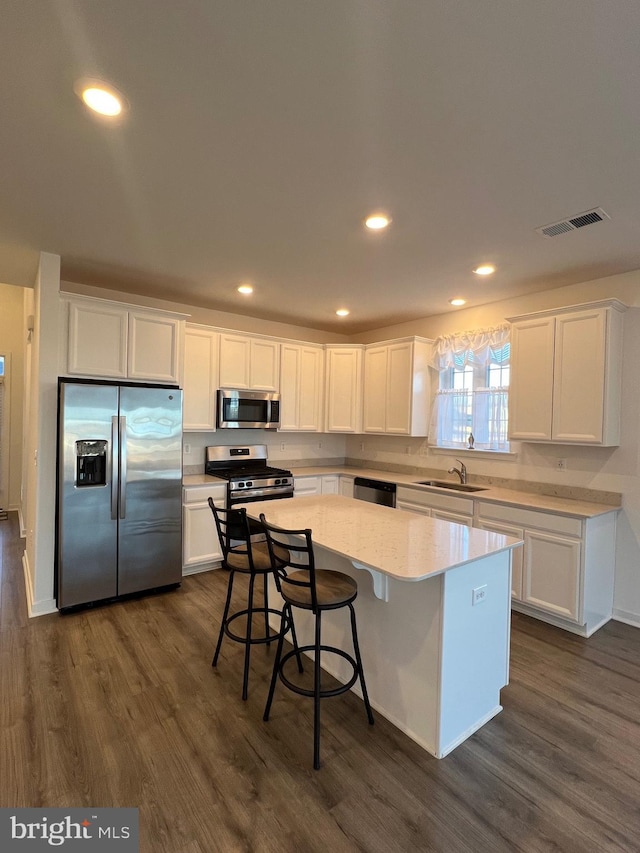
{"x":150,"y":495}
{"x":87,"y":544}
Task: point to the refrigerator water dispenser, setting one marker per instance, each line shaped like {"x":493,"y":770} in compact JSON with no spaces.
{"x":91,"y":462}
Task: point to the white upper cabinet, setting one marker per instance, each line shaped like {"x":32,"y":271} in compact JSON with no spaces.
{"x":249,"y":362}
{"x":200,"y":378}
{"x":344,"y":388}
{"x":397,"y":387}
{"x":566,"y":376}
{"x":114,"y":341}
{"x":301,"y":387}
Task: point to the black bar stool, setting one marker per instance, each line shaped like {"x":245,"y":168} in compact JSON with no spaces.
{"x":316,"y":590}
{"x":242,"y":555}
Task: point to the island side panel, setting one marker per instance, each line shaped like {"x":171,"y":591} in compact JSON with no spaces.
{"x":475,"y":647}
{"x":400,"y":643}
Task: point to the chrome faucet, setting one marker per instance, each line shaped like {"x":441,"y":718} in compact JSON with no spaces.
{"x":461,"y":471}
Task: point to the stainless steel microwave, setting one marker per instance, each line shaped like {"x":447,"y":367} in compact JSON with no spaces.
{"x":240,"y":409}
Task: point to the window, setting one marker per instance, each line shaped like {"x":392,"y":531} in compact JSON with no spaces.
{"x":473,"y":392}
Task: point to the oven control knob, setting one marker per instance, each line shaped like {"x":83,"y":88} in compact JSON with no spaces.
{"x":278,"y":482}
{"x":240,"y":485}
{"x":249,"y":484}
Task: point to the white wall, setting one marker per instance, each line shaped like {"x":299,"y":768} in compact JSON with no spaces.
{"x":284,"y":449}
{"x":40,"y":449}
{"x":12,"y":345}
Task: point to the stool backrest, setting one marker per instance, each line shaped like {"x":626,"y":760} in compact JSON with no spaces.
{"x":233,"y":531}
{"x":292,"y":550}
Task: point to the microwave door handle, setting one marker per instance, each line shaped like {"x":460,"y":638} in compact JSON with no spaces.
{"x":123,"y":467}
{"x":113,"y":462}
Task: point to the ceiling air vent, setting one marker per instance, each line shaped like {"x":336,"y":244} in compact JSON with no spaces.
{"x":573,"y":222}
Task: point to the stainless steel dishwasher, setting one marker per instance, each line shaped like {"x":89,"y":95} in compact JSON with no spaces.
{"x":374,"y":491}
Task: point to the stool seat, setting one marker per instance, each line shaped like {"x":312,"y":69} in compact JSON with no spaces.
{"x":333,"y":589}
{"x":239,"y":561}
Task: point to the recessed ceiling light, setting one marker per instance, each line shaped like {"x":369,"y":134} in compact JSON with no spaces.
{"x":377,"y":221}
{"x":484,"y":269}
{"x":101,"y":97}
{"x":245,"y":289}
{"x":457,"y":301}
{"x":342,"y":312}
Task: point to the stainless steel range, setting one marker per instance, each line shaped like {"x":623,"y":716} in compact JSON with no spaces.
{"x":248,"y":475}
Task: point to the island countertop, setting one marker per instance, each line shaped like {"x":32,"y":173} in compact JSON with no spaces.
{"x":402,"y":545}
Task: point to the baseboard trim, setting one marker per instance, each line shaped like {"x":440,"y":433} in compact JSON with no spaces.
{"x":35,"y":608}
{"x":627,"y":618}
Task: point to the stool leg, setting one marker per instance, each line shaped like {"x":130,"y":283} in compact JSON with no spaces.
{"x":266,"y":608}
{"x":294,"y":640}
{"x":276,"y":664}
{"x":247,"y":645}
{"x":316,"y":696}
{"x":356,"y":648}
{"x":224,"y":618}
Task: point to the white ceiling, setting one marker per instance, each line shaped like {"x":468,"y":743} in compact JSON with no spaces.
{"x":261,"y":132}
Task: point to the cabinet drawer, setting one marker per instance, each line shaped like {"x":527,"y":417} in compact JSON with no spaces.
{"x":200,"y":494}
{"x":529,"y":518}
{"x":463,"y":506}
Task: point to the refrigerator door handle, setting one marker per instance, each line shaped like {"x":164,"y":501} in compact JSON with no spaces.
{"x":115,"y":452}
{"x":123,"y":466}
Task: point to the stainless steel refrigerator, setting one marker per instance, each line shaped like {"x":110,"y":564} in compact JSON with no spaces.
{"x":119,"y":500}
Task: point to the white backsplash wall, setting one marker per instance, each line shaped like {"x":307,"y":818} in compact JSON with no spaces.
{"x":283,"y":448}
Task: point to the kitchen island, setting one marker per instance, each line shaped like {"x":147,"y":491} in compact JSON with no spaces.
{"x":433,"y":611}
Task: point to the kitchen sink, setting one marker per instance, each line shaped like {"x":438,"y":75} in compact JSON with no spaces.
{"x":457,"y":487}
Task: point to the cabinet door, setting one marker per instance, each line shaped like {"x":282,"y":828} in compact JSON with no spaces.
{"x":579,"y":374}
{"x":264,"y":365}
{"x":444,"y":515}
{"x":301,"y":375}
{"x":97,"y":340}
{"x":399,"y":389}
{"x":517,"y":554}
{"x":531,"y":386}
{"x":330,"y":484}
{"x":200,"y":539}
{"x":375,"y":389}
{"x":551,"y":576}
{"x":235,"y":353}
{"x":407,"y":506}
{"x":289,"y":387}
{"x":307,"y":486}
{"x":311,"y":389}
{"x":346,"y":486}
{"x":344,"y":391}
{"x":154,"y":347}
{"x":200,"y":379}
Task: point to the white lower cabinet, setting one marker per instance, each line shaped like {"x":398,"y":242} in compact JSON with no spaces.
{"x":567,"y":564}
{"x":516,"y":553}
{"x":346,"y":486}
{"x":317,"y":484}
{"x":200,"y":544}
{"x":435,"y":505}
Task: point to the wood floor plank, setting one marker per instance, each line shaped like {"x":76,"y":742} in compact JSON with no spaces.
{"x":119,"y":706}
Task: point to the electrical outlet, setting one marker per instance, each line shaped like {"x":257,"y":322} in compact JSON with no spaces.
{"x":561,"y":464}
{"x":479,"y":595}
{"x":282,"y":445}
{"x":362,"y":445}
{"x":319,"y":445}
{"x":187,"y":449}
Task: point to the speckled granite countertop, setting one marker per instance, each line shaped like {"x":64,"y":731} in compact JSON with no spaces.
{"x":574,"y":507}
{"x":403,"y":545}
{"x":569,"y":506}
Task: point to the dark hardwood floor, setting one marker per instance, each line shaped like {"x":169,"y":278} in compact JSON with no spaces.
{"x":119,"y":706}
